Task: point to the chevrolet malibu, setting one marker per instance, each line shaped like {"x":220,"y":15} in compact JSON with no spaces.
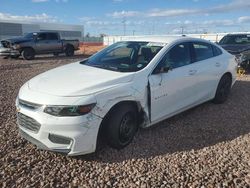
{"x":127,"y":85}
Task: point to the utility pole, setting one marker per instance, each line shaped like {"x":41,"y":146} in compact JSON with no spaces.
{"x":182,"y":30}
{"x":124,"y":25}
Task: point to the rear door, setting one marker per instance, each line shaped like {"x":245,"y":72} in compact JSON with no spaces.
{"x":55,"y":45}
{"x":209,"y":66}
{"x":173,"y":91}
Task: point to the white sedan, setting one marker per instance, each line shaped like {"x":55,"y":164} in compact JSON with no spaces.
{"x":127,"y":85}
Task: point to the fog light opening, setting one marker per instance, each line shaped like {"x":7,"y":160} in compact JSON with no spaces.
{"x":59,"y":139}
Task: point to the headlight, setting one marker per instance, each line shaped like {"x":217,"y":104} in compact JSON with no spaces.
{"x":69,"y":110}
{"x":245,"y":55}
{"x":16,"y":46}
{"x":243,"y":58}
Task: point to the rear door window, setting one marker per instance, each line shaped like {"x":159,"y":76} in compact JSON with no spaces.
{"x":202,"y":51}
{"x":52,"y":36}
{"x":217,"y":51}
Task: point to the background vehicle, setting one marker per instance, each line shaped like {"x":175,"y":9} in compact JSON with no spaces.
{"x":238,"y":45}
{"x":124,"y":86}
{"x":38,"y":43}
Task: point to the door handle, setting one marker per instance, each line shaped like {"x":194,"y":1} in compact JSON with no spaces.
{"x":217,"y":64}
{"x":192,"y":72}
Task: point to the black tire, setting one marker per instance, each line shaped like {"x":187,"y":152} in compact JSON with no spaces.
{"x":121,"y":126}
{"x":223,"y":89}
{"x":69,"y":51}
{"x":28,"y":53}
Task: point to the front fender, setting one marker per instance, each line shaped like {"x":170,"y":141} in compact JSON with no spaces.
{"x":107,"y":99}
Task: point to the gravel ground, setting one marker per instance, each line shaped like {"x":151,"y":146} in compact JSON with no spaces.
{"x":208,"y":146}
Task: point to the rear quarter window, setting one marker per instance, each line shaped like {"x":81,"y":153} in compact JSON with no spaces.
{"x":202,"y":51}
{"x":217,"y":51}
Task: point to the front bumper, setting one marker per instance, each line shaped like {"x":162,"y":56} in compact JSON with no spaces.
{"x":8,"y":52}
{"x":71,"y":135}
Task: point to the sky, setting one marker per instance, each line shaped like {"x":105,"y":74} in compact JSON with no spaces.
{"x":134,"y":17}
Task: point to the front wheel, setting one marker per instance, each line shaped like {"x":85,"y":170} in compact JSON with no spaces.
{"x":28,"y":53}
{"x":121,"y":126}
{"x":223,"y":89}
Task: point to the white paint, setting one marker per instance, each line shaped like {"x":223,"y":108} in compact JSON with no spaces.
{"x":74,"y":84}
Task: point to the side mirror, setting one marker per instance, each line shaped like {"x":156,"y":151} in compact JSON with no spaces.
{"x":162,"y":70}
{"x":165,"y":69}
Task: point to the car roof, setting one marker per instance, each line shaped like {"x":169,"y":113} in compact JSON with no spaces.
{"x":45,"y":32}
{"x":237,"y":34}
{"x":157,"y":39}
{"x":162,"y":39}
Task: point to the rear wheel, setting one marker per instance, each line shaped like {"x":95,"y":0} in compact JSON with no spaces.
{"x":28,"y":53}
{"x":223,"y":89}
{"x":121,"y":126}
{"x":69,"y":51}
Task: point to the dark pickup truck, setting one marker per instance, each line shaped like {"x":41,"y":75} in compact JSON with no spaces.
{"x":238,"y":45}
{"x":37,"y":43}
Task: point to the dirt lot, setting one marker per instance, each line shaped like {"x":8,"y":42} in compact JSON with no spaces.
{"x":208,"y":146}
{"x":88,"y":49}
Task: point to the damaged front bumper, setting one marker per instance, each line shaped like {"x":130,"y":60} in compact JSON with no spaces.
{"x":8,"y":52}
{"x":76,"y":135}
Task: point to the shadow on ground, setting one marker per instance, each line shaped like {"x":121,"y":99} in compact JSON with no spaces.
{"x":202,"y":126}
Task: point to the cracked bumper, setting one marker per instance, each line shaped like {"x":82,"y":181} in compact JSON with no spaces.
{"x":8,"y":52}
{"x":80,"y":131}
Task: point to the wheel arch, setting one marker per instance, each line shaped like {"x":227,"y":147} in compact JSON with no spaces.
{"x":68,"y":45}
{"x":27,"y":47}
{"x":229,"y":74}
{"x":135,"y":104}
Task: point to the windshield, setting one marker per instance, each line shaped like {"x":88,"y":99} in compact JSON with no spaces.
{"x":29,"y":35}
{"x":125,"y":56}
{"x":235,"y":39}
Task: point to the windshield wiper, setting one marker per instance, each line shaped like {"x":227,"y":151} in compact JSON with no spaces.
{"x":104,"y":67}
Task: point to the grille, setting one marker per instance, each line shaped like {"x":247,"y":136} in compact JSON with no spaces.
{"x":29,"y":105}
{"x":28,"y":123}
{"x":5,"y":44}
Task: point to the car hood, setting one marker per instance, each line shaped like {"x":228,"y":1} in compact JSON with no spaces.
{"x":77,"y":80}
{"x":17,"y":40}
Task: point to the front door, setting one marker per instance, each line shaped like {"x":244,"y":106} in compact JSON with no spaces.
{"x":42,"y":43}
{"x":172,"y":91}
